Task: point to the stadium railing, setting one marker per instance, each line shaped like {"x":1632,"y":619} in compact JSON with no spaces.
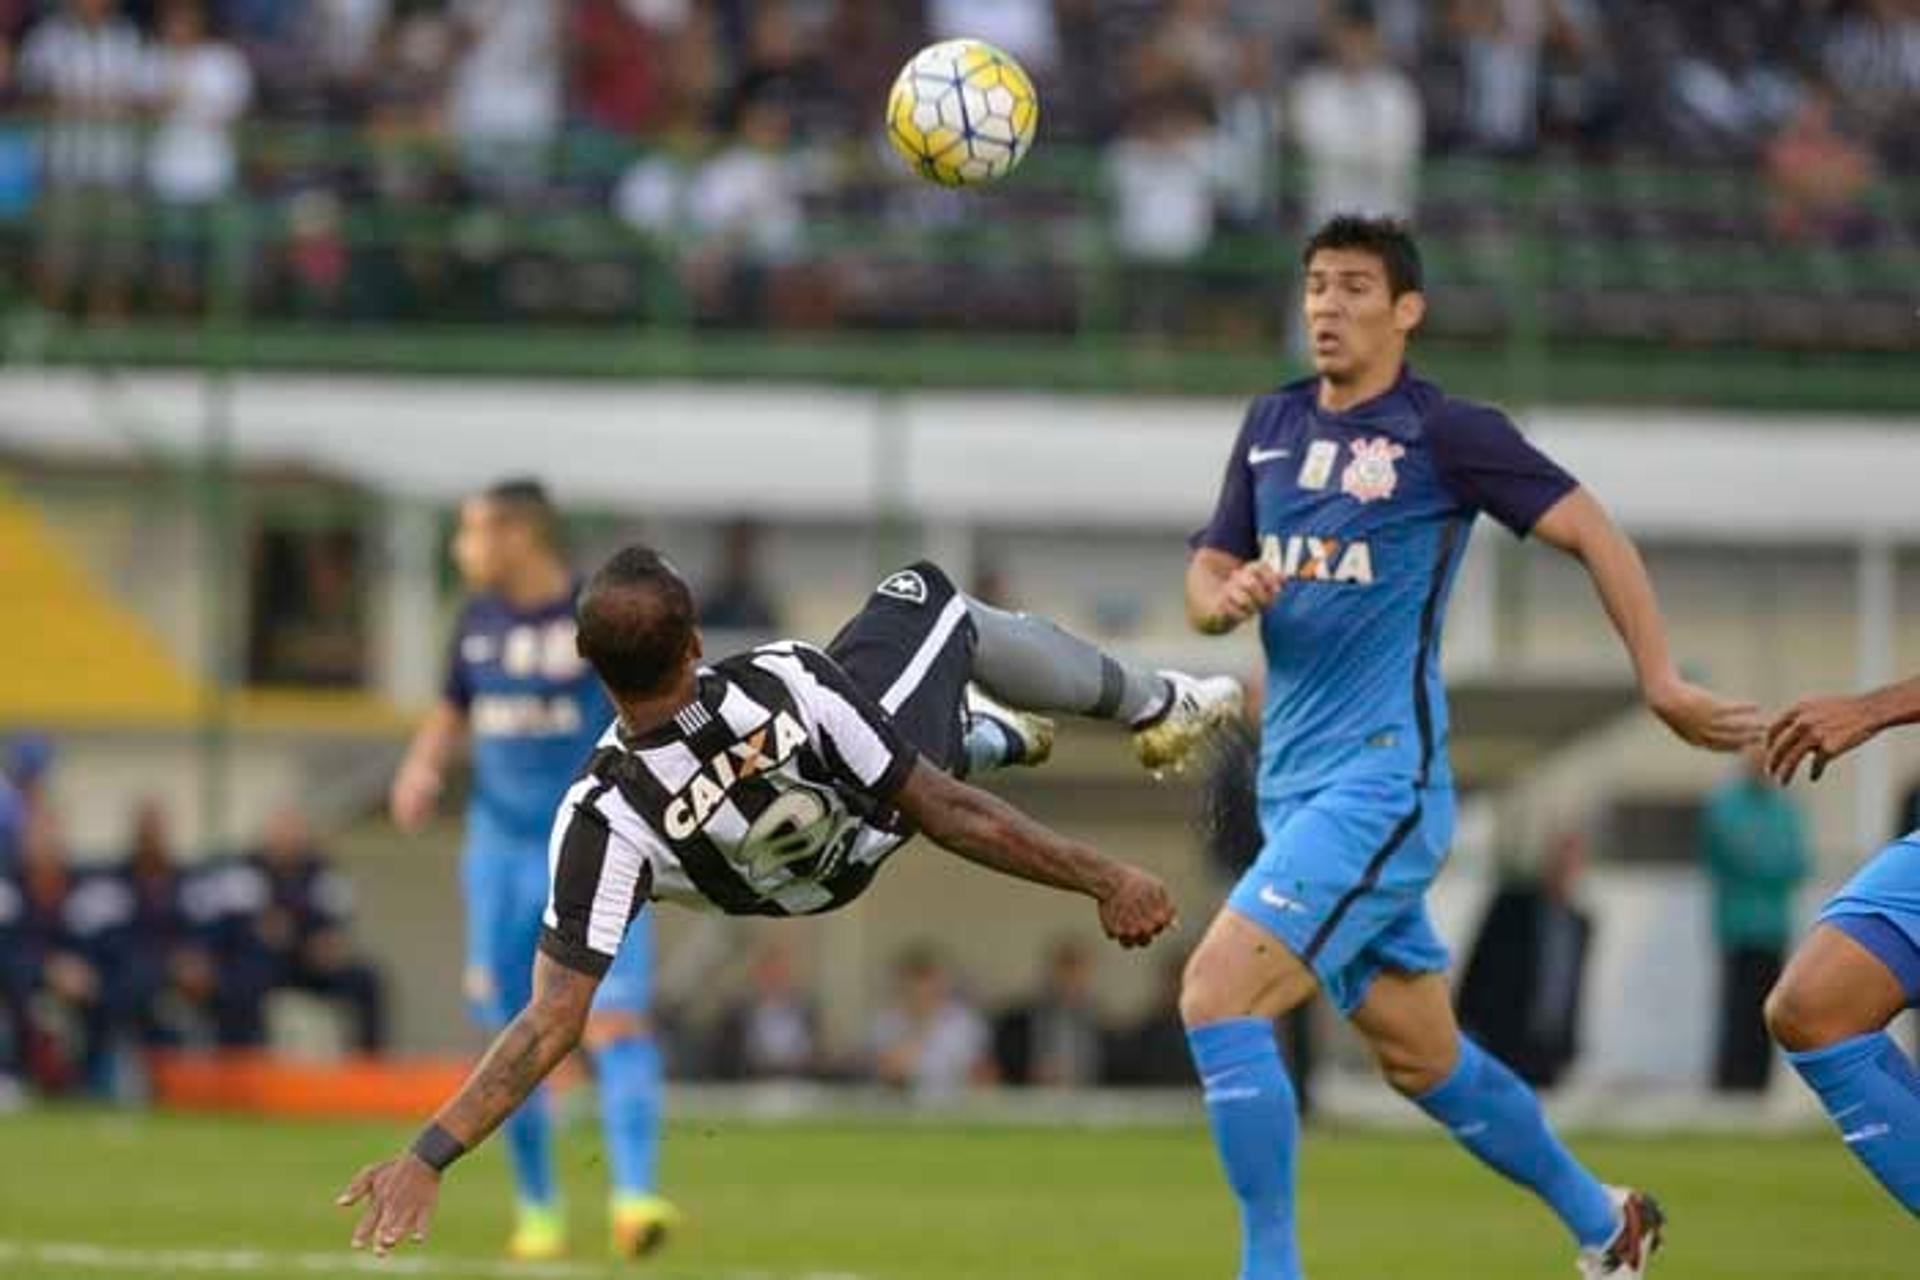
{"x":1551,"y":279}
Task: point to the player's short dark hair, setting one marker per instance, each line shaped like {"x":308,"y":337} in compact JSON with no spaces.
{"x":1388,"y":239}
{"x":636,"y":622}
{"x":525,"y":499}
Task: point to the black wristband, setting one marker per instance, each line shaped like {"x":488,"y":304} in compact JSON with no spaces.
{"x":436,"y":1148}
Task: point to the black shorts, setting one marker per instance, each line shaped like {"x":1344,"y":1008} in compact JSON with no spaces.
{"x":910,"y":648}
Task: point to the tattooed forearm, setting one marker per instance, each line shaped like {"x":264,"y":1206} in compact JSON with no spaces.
{"x":522,"y":1055}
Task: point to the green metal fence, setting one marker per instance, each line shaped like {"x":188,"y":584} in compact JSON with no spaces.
{"x":1549,"y":281}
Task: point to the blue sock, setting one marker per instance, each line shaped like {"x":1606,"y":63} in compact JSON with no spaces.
{"x":1873,"y":1094}
{"x":530,"y":1151}
{"x":1256,"y":1129}
{"x":1496,"y":1116}
{"x":630,"y":1071}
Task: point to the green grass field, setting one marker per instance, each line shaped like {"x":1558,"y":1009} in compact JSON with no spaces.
{"x":92,"y":1194}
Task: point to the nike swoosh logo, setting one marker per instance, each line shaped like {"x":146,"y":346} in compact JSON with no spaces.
{"x":1279,"y":901}
{"x":1257,"y":456}
{"x":1867,"y":1134}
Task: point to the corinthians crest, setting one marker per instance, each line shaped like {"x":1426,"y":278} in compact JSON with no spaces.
{"x":1370,"y":475}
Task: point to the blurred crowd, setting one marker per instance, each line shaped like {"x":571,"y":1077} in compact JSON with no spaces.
{"x":104,"y":959}
{"x":730,"y":133}
{"x":933,"y":1038}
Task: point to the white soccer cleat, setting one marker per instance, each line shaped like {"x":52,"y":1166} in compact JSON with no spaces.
{"x":1198,"y":707}
{"x":1031,"y":735}
{"x":1630,"y":1252}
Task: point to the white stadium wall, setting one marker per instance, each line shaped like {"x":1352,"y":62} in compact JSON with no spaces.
{"x":809,"y":452}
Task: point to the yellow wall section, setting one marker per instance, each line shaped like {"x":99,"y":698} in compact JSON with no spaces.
{"x":70,"y":655}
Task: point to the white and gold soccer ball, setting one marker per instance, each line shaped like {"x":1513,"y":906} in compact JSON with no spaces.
{"x":962,"y":112}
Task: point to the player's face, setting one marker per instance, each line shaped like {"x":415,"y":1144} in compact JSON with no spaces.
{"x":923,"y":990}
{"x":1353,"y":320}
{"x":480,"y":549}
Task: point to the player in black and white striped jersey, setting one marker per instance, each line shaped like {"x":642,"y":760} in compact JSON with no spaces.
{"x":767,"y":795}
{"x":777,"y":781}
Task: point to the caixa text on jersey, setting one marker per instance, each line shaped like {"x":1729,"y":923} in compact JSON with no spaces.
{"x":1301,"y":557}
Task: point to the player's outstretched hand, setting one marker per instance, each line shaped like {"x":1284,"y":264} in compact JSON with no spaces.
{"x":1704,"y":719}
{"x":1821,"y":728}
{"x":1138,"y":910}
{"x":400,"y":1195}
{"x":416,"y":791}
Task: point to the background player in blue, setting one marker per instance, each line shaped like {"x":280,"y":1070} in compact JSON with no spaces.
{"x":1861,"y":964}
{"x":1340,"y":526}
{"x":520,"y":695}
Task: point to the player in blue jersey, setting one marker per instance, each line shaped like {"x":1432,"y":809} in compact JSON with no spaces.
{"x":1861,"y":964}
{"x":1340,"y":526}
{"x":530,"y":711}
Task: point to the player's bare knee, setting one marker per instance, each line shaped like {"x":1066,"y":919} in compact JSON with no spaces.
{"x":1411,"y":1073}
{"x":1226,"y":979}
{"x":1215,"y":987}
{"x":1205,"y":993}
{"x":1796,"y":1022}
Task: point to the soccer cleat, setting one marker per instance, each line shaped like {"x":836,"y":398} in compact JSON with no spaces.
{"x":641,"y":1225}
{"x":1195,"y":708}
{"x":1628,"y":1254}
{"x":539,"y":1235}
{"x":1030,"y":735}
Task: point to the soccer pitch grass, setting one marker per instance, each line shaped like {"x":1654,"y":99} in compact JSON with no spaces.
{"x":86,"y":1193}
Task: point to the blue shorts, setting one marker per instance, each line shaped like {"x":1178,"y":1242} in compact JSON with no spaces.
{"x":506,"y":896}
{"x":1342,"y":880}
{"x":1880,"y":909}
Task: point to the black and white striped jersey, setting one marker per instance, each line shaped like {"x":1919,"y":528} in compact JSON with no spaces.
{"x":769,"y":794}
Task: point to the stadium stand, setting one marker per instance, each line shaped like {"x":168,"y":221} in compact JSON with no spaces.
{"x":1696,"y":187}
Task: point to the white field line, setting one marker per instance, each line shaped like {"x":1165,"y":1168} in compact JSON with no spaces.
{"x":74,"y":1257}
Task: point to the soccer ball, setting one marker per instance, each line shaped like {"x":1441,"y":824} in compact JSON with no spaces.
{"x":962,"y":112}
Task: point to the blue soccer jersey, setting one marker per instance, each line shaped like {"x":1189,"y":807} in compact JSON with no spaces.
{"x":534,"y":710}
{"x":1366,"y":513}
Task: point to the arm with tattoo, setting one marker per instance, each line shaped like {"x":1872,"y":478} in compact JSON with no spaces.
{"x":522,"y":1055}
{"x":400,"y":1193}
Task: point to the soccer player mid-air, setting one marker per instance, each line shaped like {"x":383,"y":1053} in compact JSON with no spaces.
{"x":518,"y":691}
{"x":776,"y":782}
{"x":1861,"y":964}
{"x":1339,"y":528}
